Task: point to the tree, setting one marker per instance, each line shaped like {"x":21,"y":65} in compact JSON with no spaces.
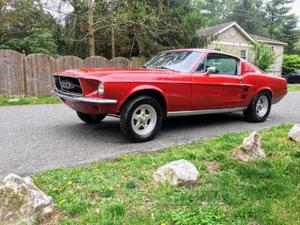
{"x":282,"y":24}
{"x":143,"y":27}
{"x":297,"y":47}
{"x":289,"y":33}
{"x":76,"y":29}
{"x":217,"y":11}
{"x":38,"y":42}
{"x":25,"y":27}
{"x":91,"y":28}
{"x":249,"y":14}
{"x":264,"y":56}
{"x":177,"y":24}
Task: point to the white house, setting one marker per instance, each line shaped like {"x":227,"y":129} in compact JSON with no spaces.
{"x":232,"y":38}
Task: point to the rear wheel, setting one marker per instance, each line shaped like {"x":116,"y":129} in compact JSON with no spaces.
{"x":141,"y":119}
{"x":90,"y":119}
{"x":260,"y":108}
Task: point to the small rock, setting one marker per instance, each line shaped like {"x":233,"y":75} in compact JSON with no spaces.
{"x":250,"y":149}
{"x":21,"y":202}
{"x":180,"y":172}
{"x":294,"y":133}
{"x":203,"y":203}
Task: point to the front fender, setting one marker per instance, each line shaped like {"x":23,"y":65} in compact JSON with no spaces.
{"x":141,"y":88}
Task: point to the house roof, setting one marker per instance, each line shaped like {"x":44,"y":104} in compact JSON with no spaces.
{"x":267,"y":40}
{"x":220,"y":28}
{"x":213,"y":29}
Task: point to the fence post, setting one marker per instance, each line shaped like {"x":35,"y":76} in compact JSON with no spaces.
{"x":25,"y":74}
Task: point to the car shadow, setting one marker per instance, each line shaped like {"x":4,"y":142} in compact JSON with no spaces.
{"x":186,"y":122}
{"x":109,"y":130}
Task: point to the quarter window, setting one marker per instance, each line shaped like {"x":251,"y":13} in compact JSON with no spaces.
{"x":224,"y":64}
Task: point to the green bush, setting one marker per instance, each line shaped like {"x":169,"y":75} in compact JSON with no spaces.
{"x":290,"y":63}
{"x":264,"y":56}
{"x":38,"y":42}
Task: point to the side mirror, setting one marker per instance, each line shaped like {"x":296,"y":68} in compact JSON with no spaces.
{"x":211,"y":70}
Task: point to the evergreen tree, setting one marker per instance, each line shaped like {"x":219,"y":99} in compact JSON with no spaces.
{"x":281,"y":23}
{"x":249,"y":14}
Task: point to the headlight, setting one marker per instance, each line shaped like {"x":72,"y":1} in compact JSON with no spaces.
{"x":101,"y":88}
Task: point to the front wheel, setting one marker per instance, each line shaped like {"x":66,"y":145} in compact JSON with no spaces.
{"x":141,"y":119}
{"x":90,"y":119}
{"x":260,"y":108}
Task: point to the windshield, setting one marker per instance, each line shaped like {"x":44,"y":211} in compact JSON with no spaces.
{"x":174,"y":60}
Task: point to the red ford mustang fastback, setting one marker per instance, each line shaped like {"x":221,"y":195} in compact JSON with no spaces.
{"x":173,"y":83}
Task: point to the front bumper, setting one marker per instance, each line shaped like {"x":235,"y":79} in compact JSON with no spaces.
{"x":79,"y":99}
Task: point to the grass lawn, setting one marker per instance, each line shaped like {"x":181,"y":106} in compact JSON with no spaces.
{"x":293,"y":87}
{"x":5,"y":101}
{"x":228,"y":192}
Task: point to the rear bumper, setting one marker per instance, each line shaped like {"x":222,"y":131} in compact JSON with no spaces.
{"x":74,"y":98}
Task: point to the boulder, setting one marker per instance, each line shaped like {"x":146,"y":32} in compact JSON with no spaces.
{"x":250,"y":149}
{"x":294,"y":133}
{"x":180,"y":172}
{"x":21,"y":202}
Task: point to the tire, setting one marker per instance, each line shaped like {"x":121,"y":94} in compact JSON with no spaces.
{"x":259,"y":109}
{"x":90,"y":119}
{"x":141,"y":119}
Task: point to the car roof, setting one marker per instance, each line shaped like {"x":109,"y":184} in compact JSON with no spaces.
{"x":204,"y":51}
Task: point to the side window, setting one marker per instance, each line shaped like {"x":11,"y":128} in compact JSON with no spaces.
{"x":224,"y":64}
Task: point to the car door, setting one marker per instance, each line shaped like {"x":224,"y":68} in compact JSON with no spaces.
{"x":222,"y":88}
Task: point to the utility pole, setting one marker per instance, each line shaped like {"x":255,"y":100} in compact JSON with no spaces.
{"x":91,"y":28}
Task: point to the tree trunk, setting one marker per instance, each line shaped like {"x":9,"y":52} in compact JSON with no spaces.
{"x":91,"y":28}
{"x":113,"y":50}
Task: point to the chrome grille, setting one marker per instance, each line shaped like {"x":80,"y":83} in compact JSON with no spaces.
{"x":68,"y":85}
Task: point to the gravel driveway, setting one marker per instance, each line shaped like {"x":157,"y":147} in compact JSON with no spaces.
{"x":41,"y":137}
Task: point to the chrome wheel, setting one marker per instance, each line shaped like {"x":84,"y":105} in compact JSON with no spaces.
{"x":262,"y":106}
{"x":144,"y":119}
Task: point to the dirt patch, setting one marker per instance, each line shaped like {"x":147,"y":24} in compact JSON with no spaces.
{"x":253,"y":223}
{"x":52,"y":219}
{"x":212,"y":166}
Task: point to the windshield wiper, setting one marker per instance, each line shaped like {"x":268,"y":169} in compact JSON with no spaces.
{"x":163,"y":67}
{"x":158,"y":67}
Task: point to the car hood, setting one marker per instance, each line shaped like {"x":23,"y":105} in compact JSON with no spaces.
{"x":103,"y":72}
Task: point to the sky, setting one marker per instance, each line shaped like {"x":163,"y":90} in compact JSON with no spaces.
{"x":296,"y":9}
{"x":53,"y":6}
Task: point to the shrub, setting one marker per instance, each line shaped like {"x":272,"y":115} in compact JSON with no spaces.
{"x":264,"y":56}
{"x":290,"y":63}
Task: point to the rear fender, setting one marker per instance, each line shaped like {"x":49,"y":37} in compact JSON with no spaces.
{"x":264,"y":89}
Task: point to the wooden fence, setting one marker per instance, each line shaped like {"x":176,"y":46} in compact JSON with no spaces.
{"x":30,"y":75}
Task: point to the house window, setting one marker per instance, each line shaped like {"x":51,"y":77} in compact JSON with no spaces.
{"x":218,"y":49}
{"x":244,"y":54}
{"x":271,"y":48}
